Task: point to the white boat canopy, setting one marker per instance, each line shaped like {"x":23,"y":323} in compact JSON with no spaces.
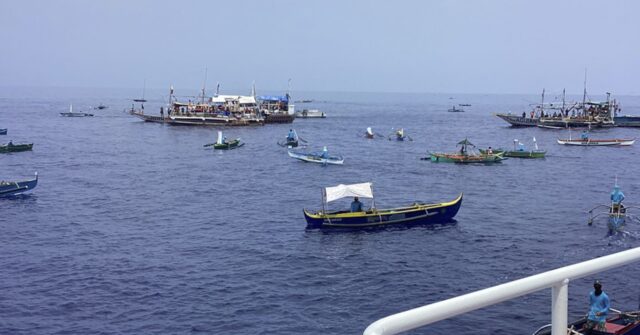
{"x":362,"y":190}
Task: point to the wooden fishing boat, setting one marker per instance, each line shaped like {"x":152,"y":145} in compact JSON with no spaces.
{"x":597,"y":142}
{"x":455,"y":110}
{"x":71,"y":113}
{"x":321,"y":157}
{"x":223,"y":144}
{"x":417,"y":213}
{"x":311,"y":114}
{"x":8,"y":188}
{"x":619,"y":323}
{"x":10,"y":147}
{"x":465,"y":155}
{"x":3,"y":131}
{"x":518,"y":153}
{"x":291,"y":140}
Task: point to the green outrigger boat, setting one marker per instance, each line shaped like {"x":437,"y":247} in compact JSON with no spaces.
{"x":223,"y":144}
{"x":518,"y":152}
{"x":10,"y":147}
{"x":465,"y":157}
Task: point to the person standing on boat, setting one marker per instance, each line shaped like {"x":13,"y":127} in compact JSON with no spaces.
{"x":598,"y":308}
{"x":325,"y":153}
{"x":617,"y":196}
{"x":585,"y":135}
{"x":356,"y":205}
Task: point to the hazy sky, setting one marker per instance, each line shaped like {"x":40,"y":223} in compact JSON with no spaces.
{"x":389,"y":46}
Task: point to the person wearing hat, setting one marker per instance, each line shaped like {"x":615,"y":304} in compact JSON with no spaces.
{"x":598,"y":308}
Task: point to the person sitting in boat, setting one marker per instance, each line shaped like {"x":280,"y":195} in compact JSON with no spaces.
{"x":585,"y":135}
{"x":356,"y":205}
{"x":291,"y":136}
{"x":400,"y":134}
{"x":617,"y":196}
{"x":598,"y":308}
{"x":325,"y":153}
{"x":10,"y":143}
{"x":489,"y":151}
{"x":521,"y":146}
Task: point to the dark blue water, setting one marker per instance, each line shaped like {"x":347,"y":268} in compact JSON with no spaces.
{"x":135,"y":228}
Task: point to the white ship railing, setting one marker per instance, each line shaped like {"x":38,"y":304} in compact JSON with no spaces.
{"x":557,"y":280}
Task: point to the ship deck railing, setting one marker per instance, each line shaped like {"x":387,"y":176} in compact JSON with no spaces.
{"x":558,"y":280}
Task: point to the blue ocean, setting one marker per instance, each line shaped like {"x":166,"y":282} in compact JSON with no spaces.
{"x":136,"y":228}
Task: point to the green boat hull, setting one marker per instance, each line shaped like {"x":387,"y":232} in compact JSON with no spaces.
{"x":16,"y":147}
{"x":519,"y":154}
{"x":229,"y":145}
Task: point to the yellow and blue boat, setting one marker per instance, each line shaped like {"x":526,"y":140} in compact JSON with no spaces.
{"x":414,"y":214}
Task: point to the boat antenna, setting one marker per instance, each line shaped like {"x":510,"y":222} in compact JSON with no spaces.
{"x":542,"y":105}
{"x":204,"y":84}
{"x":144,"y":87}
{"x":584,"y":94}
{"x":563,"y":100}
{"x":218,"y":89}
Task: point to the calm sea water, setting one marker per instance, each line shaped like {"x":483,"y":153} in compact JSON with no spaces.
{"x":135,"y":228}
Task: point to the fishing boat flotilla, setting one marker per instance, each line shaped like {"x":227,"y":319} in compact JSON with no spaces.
{"x":466,"y":155}
{"x":223,"y":144}
{"x":8,"y":188}
{"x":322,"y":157}
{"x":417,"y":213}
{"x":518,"y":151}
{"x":10,"y":147}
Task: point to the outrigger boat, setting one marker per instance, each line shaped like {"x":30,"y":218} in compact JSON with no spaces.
{"x":518,"y":153}
{"x":321,"y":157}
{"x":311,"y":114}
{"x":370,"y":134}
{"x":616,"y":213}
{"x":71,"y":113}
{"x":223,"y":144}
{"x":3,"y":131}
{"x":10,"y":147}
{"x":464,"y":157}
{"x":291,"y":140}
{"x":399,"y":136}
{"x":620,"y":323}
{"x":597,"y":142}
{"x":455,"y":110}
{"x":8,"y":188}
{"x":413,"y":214}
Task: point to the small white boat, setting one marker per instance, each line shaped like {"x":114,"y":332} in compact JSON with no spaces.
{"x":321,"y":157}
{"x":71,"y":113}
{"x":310,"y":114}
{"x":597,"y":142}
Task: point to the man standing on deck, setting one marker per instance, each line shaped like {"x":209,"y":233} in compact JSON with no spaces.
{"x":598,"y":308}
{"x":617,"y":196}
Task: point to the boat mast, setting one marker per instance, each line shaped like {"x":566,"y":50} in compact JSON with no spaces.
{"x":563,"y":100}
{"x":144,"y":87}
{"x":542,"y":104}
{"x":584,"y":94}
{"x":204,"y":84}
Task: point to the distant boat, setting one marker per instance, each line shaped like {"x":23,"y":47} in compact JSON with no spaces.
{"x":8,"y":188}
{"x":594,"y":142}
{"x":518,"y":153}
{"x":311,"y":114}
{"x":321,"y":157}
{"x":101,"y":106}
{"x":465,"y":156}
{"x":71,"y":113}
{"x":10,"y":147}
{"x":3,"y":131}
{"x":464,"y":105}
{"x":453,"y":109}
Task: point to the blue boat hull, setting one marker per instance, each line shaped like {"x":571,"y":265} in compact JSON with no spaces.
{"x":18,"y":187}
{"x":3,"y":131}
{"x":417,"y":214}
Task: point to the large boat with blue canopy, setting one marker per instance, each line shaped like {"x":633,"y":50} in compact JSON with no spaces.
{"x":418,"y":213}
{"x":9,"y":188}
{"x":276,"y":108}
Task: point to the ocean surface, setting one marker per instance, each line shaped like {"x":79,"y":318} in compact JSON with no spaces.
{"x":135,"y":228}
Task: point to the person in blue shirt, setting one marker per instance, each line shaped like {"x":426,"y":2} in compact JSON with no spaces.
{"x":521,"y":147}
{"x":325,"y":153}
{"x":598,"y":308}
{"x":585,"y":135}
{"x":291,"y":136}
{"x":617,"y":196}
{"x":356,"y":205}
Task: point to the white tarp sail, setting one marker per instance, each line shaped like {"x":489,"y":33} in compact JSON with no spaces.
{"x":362,"y":190}
{"x":219,"y":137}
